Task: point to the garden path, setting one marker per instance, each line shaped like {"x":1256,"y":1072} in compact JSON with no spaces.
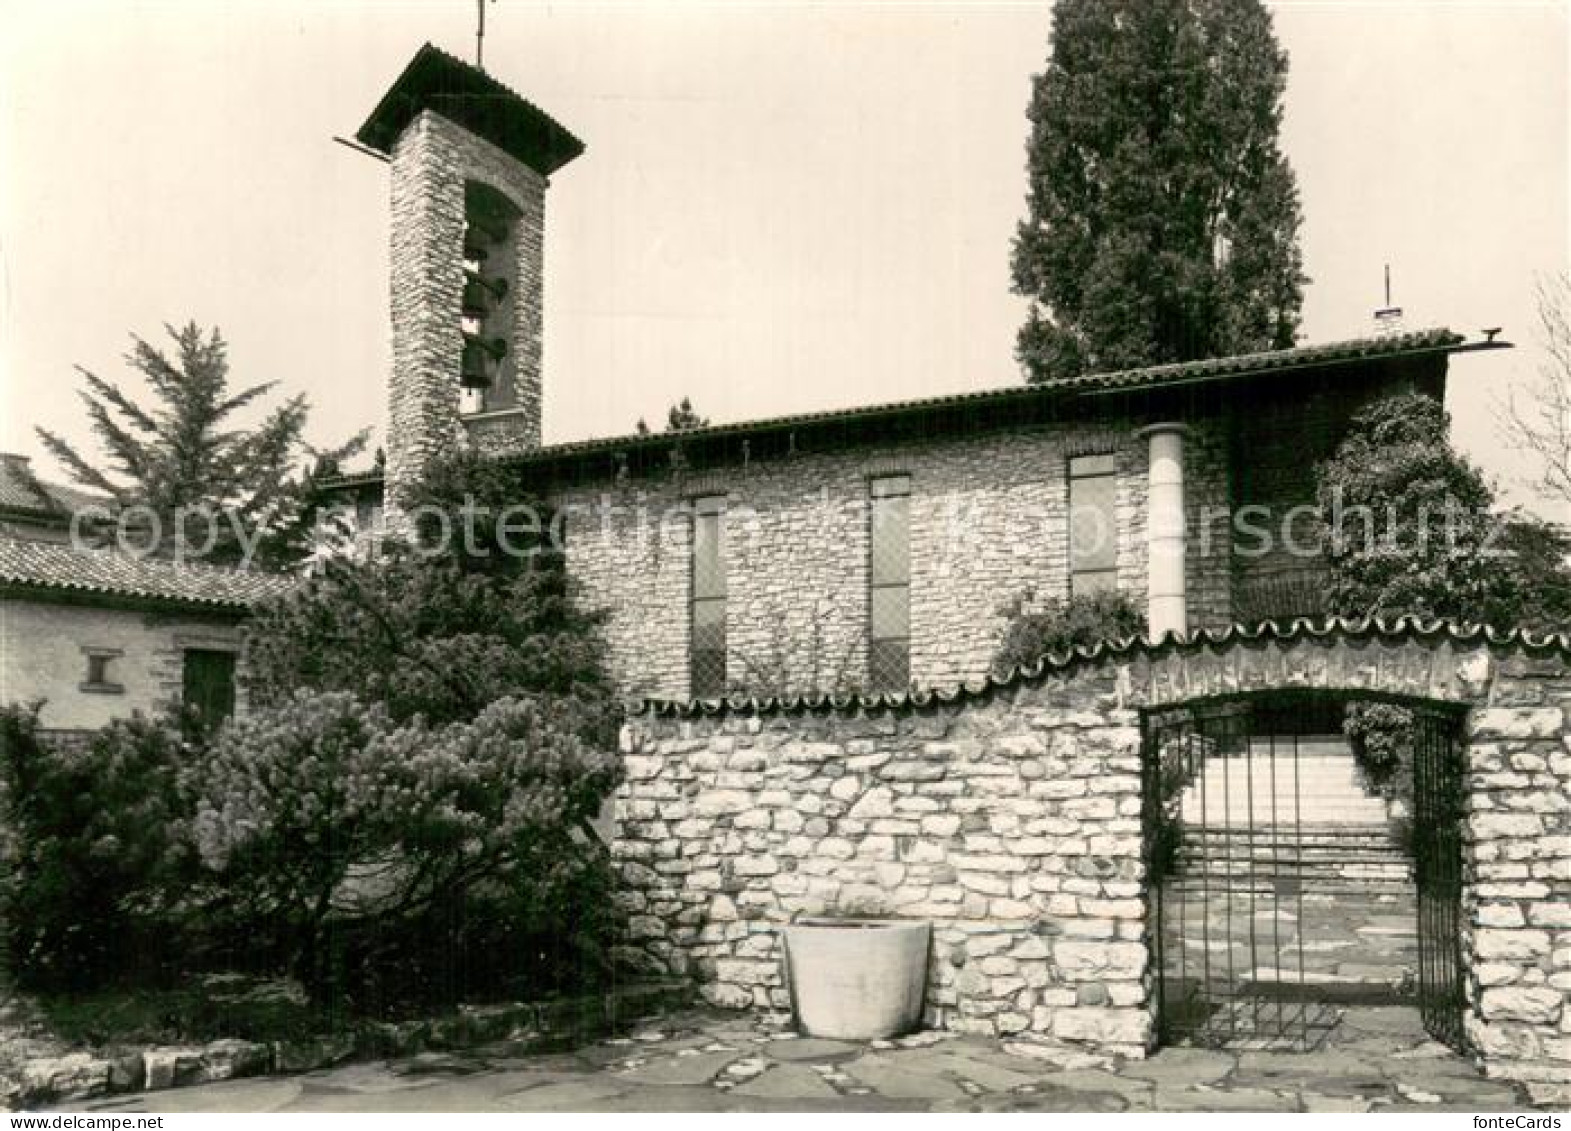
{"x":1376,"y":1059}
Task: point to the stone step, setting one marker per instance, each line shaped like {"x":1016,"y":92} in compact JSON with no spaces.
{"x":1308,"y":836}
{"x":1257,"y":787}
{"x":1288,"y":870}
{"x":1241,"y":828}
{"x":1264,"y":893}
{"x":1218,"y":880}
{"x":1287,"y":883}
{"x":1267,"y":872}
{"x":1289,"y":862}
{"x":1289,"y":858}
{"x":1284,"y":853}
{"x":1216,"y":857}
{"x":1302,"y":831}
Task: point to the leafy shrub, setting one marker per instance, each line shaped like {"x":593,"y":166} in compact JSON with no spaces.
{"x":442,"y":633}
{"x":1540,"y":555}
{"x":1407,"y":521}
{"x":1433,"y":548}
{"x":1381,"y":735}
{"x":426,"y":638}
{"x":1052,"y":627}
{"x":383,"y":853}
{"x":96,"y":866}
{"x":409,"y":806}
{"x":405,"y":815}
{"x":546,"y":926}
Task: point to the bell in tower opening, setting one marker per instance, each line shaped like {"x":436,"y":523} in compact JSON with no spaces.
{"x":490,"y":268}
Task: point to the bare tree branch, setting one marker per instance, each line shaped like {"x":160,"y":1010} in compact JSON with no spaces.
{"x":1536,"y":419}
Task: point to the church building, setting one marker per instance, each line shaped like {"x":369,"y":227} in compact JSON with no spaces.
{"x":868,"y":550}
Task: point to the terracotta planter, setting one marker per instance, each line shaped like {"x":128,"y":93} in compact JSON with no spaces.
{"x":857,"y":979}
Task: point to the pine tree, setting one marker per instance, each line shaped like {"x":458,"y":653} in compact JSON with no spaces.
{"x":1162,"y":216}
{"x":185,"y":451}
{"x":682,"y":417}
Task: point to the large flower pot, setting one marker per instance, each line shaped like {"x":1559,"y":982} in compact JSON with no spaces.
{"x":857,"y":979}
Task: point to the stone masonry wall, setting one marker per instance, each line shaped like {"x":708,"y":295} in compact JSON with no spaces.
{"x":431,"y":161}
{"x":1014,"y":826}
{"x":427,"y":280}
{"x":1518,"y":909}
{"x":989,"y":520}
{"x":42,"y":657}
{"x":1010,"y":818}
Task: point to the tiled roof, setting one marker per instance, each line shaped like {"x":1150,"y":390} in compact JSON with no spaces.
{"x":1438,"y":340}
{"x":465,"y":94}
{"x":15,"y":492}
{"x":1327,"y":353}
{"x":23,"y":492}
{"x":1333,"y":628}
{"x":53,"y":567}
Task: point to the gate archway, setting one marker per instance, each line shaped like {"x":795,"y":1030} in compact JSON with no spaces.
{"x":1281,"y":886}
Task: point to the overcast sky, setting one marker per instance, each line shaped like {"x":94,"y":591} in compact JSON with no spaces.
{"x":781,"y":208}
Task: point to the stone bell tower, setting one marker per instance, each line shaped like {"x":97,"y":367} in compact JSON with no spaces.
{"x":470,"y":161}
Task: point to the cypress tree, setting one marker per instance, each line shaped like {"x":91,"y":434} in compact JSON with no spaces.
{"x":1162,"y":217}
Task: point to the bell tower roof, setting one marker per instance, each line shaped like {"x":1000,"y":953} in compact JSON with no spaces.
{"x":466,"y":95}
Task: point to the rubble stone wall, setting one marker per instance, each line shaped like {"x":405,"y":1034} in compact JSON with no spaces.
{"x":1013,"y":825}
{"x":1517,"y":934}
{"x":431,"y":161}
{"x":1011,"y":819}
{"x":989,"y":521}
{"x":43,"y":656}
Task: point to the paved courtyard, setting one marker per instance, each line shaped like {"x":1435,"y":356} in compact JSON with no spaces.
{"x":1376,"y":1059}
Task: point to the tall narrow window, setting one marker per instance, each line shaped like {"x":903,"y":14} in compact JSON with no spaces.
{"x":208,"y":684}
{"x":709,"y":596}
{"x":889,"y":636}
{"x":1093,"y":524}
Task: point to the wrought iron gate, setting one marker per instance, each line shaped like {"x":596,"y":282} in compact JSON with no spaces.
{"x":1437,"y":859}
{"x":1247,"y":844}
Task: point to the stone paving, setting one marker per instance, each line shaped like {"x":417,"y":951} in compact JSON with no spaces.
{"x":1376,"y":1059}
